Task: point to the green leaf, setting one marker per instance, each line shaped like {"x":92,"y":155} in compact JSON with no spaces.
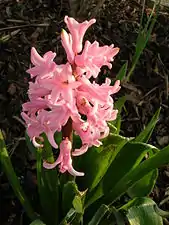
{"x":70,"y":190}
{"x":11,"y":175}
{"x":69,"y":217}
{"x":77,"y":204}
{"x":112,"y":128}
{"x":99,"y":215}
{"x":37,"y":222}
{"x":142,"y":39}
{"x":30,"y":146}
{"x":116,"y":140}
{"x":48,"y":184}
{"x":96,"y":161}
{"x":144,"y":214}
{"x":119,"y":105}
{"x":159,"y":159}
{"x":146,"y":133}
{"x":120,"y":220}
{"x":122,"y":73}
{"x":47,"y":150}
{"x":125,"y":161}
{"x":144,"y":186}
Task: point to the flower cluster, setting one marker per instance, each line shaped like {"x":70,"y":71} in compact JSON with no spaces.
{"x":61,"y":93}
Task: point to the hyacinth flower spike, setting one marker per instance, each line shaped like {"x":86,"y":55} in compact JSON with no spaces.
{"x":63,"y":98}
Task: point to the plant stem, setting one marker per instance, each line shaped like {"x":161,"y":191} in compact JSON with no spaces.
{"x":67,"y":131}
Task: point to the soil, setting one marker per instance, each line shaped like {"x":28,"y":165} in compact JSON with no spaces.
{"x":38,"y":23}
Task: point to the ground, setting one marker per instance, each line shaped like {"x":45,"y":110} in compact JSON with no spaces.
{"x":38,"y":23}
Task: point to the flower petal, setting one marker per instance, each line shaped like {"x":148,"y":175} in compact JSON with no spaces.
{"x":80,"y":151}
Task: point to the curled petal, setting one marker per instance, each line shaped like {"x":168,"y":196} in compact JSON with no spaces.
{"x":36,"y":59}
{"x":49,"y":56}
{"x":80,"y":151}
{"x":50,"y":165}
{"x":47,"y":165}
{"x":36,"y":144}
{"x":105,"y":133}
{"x":75,"y":173}
{"x":114,"y":52}
{"x":51,"y":139}
{"x":53,"y":165}
{"x":114,"y":114}
{"x":97,"y":143}
{"x":116,"y":87}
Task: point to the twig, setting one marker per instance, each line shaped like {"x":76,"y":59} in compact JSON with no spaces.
{"x":148,"y":93}
{"x":15,"y":21}
{"x":16,"y":145}
{"x":19,"y":120}
{"x":24,"y":26}
{"x":165,"y":76}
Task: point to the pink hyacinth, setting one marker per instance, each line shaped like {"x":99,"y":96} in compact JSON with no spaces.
{"x":64,"y":159}
{"x":61,"y":96}
{"x":42,"y":65}
{"x":77,"y":31}
{"x":94,"y":57}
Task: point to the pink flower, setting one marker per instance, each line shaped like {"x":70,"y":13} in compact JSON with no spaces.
{"x":88,"y":133}
{"x":37,"y":90}
{"x":77,"y":31}
{"x":35,"y":105}
{"x":42,"y":65}
{"x":62,"y":84}
{"x":64,"y":160}
{"x":80,"y":151}
{"x":92,"y":90}
{"x":94,"y":57}
{"x":63,"y":93}
{"x":67,"y":44}
{"x":41,"y":124}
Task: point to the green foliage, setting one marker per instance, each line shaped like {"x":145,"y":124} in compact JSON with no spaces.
{"x":101,"y":160}
{"x":69,"y":217}
{"x":127,"y":159}
{"x":77,"y":204}
{"x":99,"y":215}
{"x":119,"y":105}
{"x":142,"y":39}
{"x":122,"y":72}
{"x":144,"y":186}
{"x":145,"y":135}
{"x":37,"y":222}
{"x":70,"y":191}
{"x":48,"y":185}
{"x":142,"y":212}
{"x":13,"y":179}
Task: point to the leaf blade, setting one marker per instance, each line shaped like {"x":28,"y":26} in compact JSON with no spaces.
{"x":144,"y":214}
{"x":13,"y":179}
{"x":99,"y":215}
{"x":146,"y":133}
